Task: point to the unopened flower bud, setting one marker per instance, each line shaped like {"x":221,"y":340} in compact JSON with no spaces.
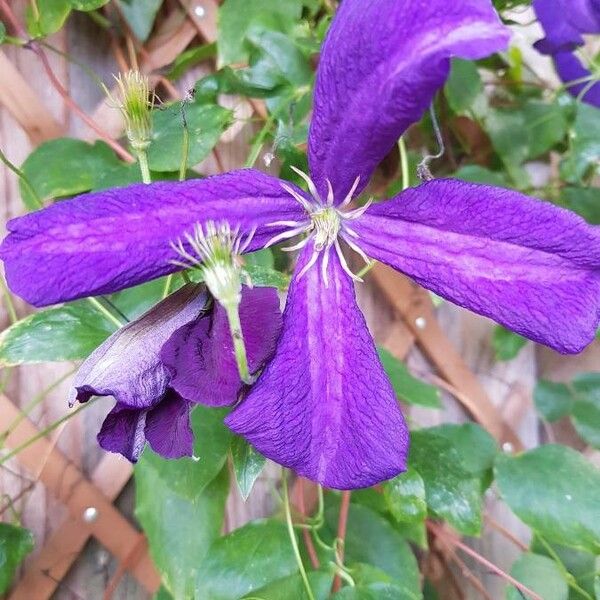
{"x":135,"y":101}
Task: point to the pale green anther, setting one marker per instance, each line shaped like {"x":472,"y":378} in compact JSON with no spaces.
{"x":326,"y":224}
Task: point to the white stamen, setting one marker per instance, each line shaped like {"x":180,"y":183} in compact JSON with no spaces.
{"x":330,"y":197}
{"x":350,"y":194}
{"x":308,"y":265}
{"x":344,"y":264}
{"x":303,"y":201}
{"x":312,"y":188}
{"x":297,"y":246}
{"x":285,"y":223}
{"x":358,"y":250}
{"x":286,"y":235}
{"x":247,"y":243}
{"x":358,"y":212}
{"x":324,"y":265}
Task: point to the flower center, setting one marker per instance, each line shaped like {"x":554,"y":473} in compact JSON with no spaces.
{"x":325,"y":224}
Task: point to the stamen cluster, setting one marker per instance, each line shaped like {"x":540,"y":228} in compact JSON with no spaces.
{"x":326,"y":223}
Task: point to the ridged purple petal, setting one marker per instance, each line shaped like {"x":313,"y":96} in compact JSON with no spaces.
{"x":570,"y":68}
{"x":324,"y":406}
{"x":200,"y":355}
{"x":380,"y":67}
{"x":102,"y":242}
{"x":127,"y":365}
{"x":525,"y":263}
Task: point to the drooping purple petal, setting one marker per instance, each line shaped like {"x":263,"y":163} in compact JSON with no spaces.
{"x":525,"y":263}
{"x":570,"y":69}
{"x":324,"y":406}
{"x":168,"y":428}
{"x":102,"y":242}
{"x":123,"y":431}
{"x":380,"y":67}
{"x":564,"y":22}
{"x":200,"y":355}
{"x":127,"y":365}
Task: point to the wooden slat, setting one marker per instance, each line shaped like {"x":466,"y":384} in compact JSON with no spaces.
{"x":24,"y":105}
{"x":416,"y":308}
{"x":64,"y":480}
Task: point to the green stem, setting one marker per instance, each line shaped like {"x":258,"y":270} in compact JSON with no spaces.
{"x":404,"y":164}
{"x":10,"y":307}
{"x":185,"y":151}
{"x":167,"y":288}
{"x":235,"y":326}
{"x":293,"y":540}
{"x":106,"y":312}
{"x":144,"y":168}
{"x":34,"y":195}
{"x":43,"y":433}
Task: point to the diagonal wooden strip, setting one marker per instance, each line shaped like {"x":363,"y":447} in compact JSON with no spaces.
{"x":415,"y":307}
{"x":58,"y":554}
{"x":69,"y":485}
{"x":24,"y":105}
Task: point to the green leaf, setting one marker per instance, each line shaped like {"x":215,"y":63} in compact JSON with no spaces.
{"x":405,"y":497}
{"x":374,"y":584}
{"x":477,"y":174}
{"x":52,"y":16}
{"x":190,"y":58}
{"x":463,"y":86}
{"x":87,"y":5}
{"x":540,"y":574}
{"x":236,"y":16}
{"x":476,"y":447}
{"x":555,"y":491}
{"x":507,"y":344}
{"x":546,"y":126}
{"x":264,"y":277}
{"x":2,"y":32}
{"x":585,"y":144}
{"x":452,"y":492}
{"x":65,"y":167}
{"x":407,"y":387}
{"x":67,"y":332}
{"x":205,"y":124}
{"x":586,"y":408}
{"x":248,"y":464}
{"x":15,"y":544}
{"x":584,"y":201}
{"x":140,"y":16}
{"x":292,"y":587}
{"x":246,"y":560}
{"x":553,"y":400}
{"x":180,"y":527}
{"x":373,"y":540}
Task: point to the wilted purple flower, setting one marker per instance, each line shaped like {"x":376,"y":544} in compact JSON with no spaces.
{"x":177,"y":354}
{"x":564,"y":23}
{"x":324,"y":406}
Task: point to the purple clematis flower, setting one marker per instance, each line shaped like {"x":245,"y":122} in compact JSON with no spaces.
{"x":324,"y":406}
{"x":177,"y":354}
{"x":564,"y":23}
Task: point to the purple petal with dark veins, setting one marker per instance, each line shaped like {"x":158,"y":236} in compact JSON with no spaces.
{"x":525,"y":263}
{"x":168,"y":428}
{"x":123,"y":431}
{"x":200,"y":355}
{"x":380,"y":67}
{"x":127,"y":365}
{"x":102,"y":242}
{"x":324,"y":406}
{"x":564,"y":22}
{"x":570,"y":68}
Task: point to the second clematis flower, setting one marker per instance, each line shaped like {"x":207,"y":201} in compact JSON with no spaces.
{"x":323,"y":406}
{"x":564,"y":23}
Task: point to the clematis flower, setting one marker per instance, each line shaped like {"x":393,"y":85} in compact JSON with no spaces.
{"x":176,"y":355}
{"x":323,"y":405}
{"x":564,"y":23}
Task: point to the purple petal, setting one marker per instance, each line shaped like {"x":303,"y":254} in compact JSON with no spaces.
{"x":123,"y":432}
{"x":324,"y":406}
{"x":127,"y":365}
{"x":570,"y":68}
{"x":102,"y":242}
{"x":200,"y":355}
{"x":381,"y":65}
{"x":168,"y":428}
{"x":525,"y":263}
{"x":564,"y":22}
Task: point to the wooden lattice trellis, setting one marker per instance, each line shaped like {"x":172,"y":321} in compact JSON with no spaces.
{"x":90,"y":501}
